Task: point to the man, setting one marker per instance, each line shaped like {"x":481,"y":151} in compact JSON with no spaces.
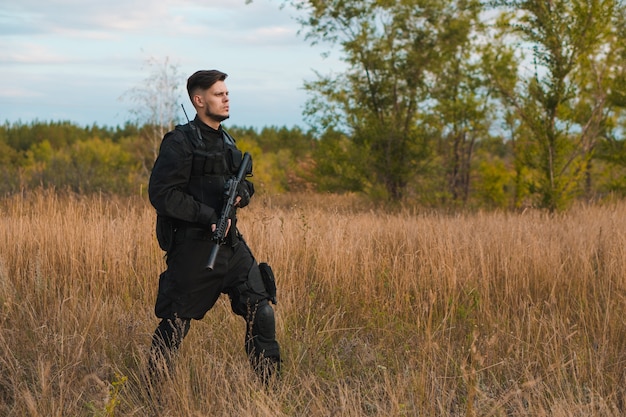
{"x":186,"y":188}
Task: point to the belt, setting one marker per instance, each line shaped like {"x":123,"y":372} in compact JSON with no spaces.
{"x":196,"y":233}
{"x":199,"y":233}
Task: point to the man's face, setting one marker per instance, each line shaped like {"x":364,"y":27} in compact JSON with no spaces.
{"x":216,"y":102}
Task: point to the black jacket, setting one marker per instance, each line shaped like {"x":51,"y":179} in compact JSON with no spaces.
{"x":187,"y":181}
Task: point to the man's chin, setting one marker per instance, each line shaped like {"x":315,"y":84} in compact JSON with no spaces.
{"x":218,"y":117}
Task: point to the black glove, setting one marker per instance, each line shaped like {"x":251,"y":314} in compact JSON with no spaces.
{"x":245,"y":190}
{"x":242,"y":191}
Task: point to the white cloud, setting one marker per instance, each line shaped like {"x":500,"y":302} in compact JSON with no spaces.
{"x":29,"y":53}
{"x":63,"y":16}
{"x":18,"y":93}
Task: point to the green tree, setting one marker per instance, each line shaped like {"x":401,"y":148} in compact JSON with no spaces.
{"x":337,"y":164}
{"x":561,"y":103}
{"x":9,"y":179}
{"x":610,"y":153}
{"x":96,"y":165}
{"x":462,"y":112}
{"x":36,"y":164}
{"x":282,"y":158}
{"x":403,"y":60}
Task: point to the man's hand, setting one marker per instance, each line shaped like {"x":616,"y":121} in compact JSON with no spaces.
{"x":243,"y":195}
{"x":214,"y":226}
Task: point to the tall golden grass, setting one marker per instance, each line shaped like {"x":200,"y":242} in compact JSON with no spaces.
{"x":380,"y":314}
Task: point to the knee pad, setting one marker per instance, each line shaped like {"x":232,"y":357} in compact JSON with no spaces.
{"x":261,"y":338}
{"x":264,"y":321}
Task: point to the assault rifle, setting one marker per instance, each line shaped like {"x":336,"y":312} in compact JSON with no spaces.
{"x":219,"y":235}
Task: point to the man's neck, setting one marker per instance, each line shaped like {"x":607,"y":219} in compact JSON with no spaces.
{"x":209,"y":122}
{"x":208,"y":132}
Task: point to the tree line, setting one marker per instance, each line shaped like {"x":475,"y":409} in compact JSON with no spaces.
{"x":118,"y":160}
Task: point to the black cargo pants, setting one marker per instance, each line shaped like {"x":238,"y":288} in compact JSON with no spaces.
{"x":188,"y":290}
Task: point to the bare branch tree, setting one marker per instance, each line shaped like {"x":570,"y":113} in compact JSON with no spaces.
{"x":156,"y":101}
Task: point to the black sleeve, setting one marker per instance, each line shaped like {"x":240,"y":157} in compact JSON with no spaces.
{"x":169,"y":181}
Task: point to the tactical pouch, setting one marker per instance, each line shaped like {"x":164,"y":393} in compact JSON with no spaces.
{"x":268,"y":280}
{"x":209,"y":163}
{"x":233,"y":159}
{"x":165,"y":233}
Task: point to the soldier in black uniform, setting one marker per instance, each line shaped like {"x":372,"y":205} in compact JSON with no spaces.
{"x":187,"y":190}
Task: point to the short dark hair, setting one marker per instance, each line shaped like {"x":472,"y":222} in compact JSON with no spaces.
{"x":203,"y":80}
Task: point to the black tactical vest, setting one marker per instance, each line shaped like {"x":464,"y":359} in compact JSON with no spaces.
{"x":213,"y":164}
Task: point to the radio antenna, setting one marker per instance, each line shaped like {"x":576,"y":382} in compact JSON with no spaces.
{"x":193,"y":126}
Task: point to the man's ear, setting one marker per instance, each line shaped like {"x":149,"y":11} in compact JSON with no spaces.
{"x":197,"y":101}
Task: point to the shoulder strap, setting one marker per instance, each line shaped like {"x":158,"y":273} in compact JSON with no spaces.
{"x":193,"y":134}
{"x":228,"y":139}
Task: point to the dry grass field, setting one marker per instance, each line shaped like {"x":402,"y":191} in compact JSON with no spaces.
{"x":380,"y":314}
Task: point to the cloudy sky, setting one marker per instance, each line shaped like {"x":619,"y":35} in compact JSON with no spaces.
{"x":75,"y":59}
